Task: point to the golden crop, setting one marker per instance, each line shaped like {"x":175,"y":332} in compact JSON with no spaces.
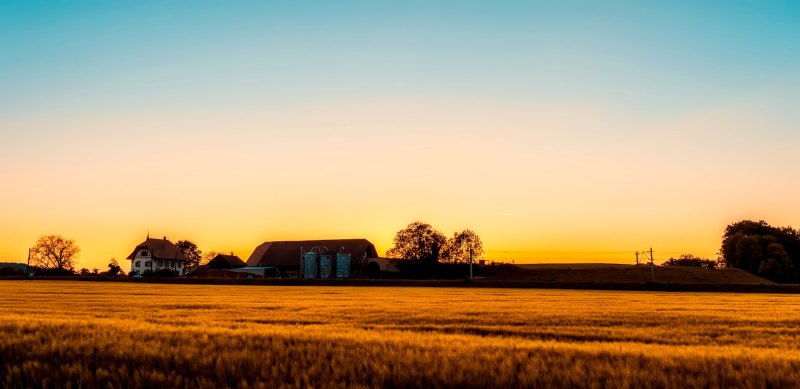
{"x":86,"y":334}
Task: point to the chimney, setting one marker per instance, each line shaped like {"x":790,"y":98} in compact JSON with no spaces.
{"x":165,"y":238}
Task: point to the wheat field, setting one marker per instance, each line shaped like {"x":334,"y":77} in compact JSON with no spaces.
{"x":135,"y":335}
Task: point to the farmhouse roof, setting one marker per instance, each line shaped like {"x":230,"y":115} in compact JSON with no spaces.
{"x":222,"y":261}
{"x":287,"y":253}
{"x":160,"y":249}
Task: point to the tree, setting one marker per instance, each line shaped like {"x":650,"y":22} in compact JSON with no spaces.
{"x":689,"y":260}
{"x":55,"y":253}
{"x":114,"y":269}
{"x":84,"y":272}
{"x":417,"y":242}
{"x":457,"y":249}
{"x":207,"y":257}
{"x":191,"y":252}
{"x":776,"y":265}
{"x":759,"y":248}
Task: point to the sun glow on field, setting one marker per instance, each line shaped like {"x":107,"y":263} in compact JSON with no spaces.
{"x":259,"y":336}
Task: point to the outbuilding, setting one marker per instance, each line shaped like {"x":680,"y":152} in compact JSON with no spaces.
{"x":287,"y":256}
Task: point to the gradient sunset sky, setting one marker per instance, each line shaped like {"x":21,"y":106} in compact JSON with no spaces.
{"x":558,"y":131}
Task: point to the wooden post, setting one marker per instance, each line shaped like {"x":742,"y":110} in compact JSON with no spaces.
{"x":470,"y":263}
{"x":28,"y":267}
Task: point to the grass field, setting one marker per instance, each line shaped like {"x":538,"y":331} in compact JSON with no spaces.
{"x":86,"y":334}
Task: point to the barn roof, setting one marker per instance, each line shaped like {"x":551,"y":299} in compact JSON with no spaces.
{"x":287,"y":253}
{"x":222,"y":261}
{"x":160,"y":249}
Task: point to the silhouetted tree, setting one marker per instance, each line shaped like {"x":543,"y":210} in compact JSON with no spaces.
{"x":55,"y":253}
{"x":689,"y":260}
{"x":114,"y":269}
{"x":457,"y":248}
{"x":207,"y":257}
{"x":84,"y":272}
{"x":191,"y":252}
{"x":417,"y":242}
{"x":759,"y":248}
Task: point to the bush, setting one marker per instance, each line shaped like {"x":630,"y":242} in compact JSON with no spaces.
{"x":160,"y":273}
{"x":53,"y":272}
{"x":688,"y":260}
{"x":10,"y":271}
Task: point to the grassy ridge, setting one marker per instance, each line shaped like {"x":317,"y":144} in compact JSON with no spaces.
{"x":599,"y":273}
{"x":146,"y":335}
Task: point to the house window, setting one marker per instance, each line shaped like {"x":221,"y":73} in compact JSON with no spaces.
{"x":137,"y":264}
{"x":144,"y":253}
{"x":172,"y":264}
{"x":160,"y":264}
{"x":147,"y":264}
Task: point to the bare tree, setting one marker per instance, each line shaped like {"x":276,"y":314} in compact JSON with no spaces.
{"x":463,"y":244}
{"x":207,"y":257}
{"x":55,"y":252}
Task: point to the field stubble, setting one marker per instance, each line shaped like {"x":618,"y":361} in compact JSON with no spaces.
{"x":84,"y":334}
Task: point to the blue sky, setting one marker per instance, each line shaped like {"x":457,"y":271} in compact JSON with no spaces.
{"x":654,"y":57}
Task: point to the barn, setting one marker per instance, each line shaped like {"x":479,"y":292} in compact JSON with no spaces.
{"x":287,"y":255}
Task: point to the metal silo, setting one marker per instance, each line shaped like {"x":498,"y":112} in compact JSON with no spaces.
{"x":343,"y":264}
{"x":310,"y":264}
{"x":326,"y":265}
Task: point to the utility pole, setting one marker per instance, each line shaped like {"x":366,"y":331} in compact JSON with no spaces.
{"x":652,"y":265}
{"x":636,"y":268}
{"x":470,"y":263}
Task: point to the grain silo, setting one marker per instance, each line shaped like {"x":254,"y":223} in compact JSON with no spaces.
{"x":325,"y":265}
{"x":342,"y":264}
{"x":310,"y":264}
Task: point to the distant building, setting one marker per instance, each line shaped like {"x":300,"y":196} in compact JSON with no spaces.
{"x":287,"y":256}
{"x":228,"y":266}
{"x":222,"y":261}
{"x":156,"y":254}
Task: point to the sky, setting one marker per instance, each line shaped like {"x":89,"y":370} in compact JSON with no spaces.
{"x":558,"y":131}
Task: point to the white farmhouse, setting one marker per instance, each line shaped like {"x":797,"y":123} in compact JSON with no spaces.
{"x":156,"y":254}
